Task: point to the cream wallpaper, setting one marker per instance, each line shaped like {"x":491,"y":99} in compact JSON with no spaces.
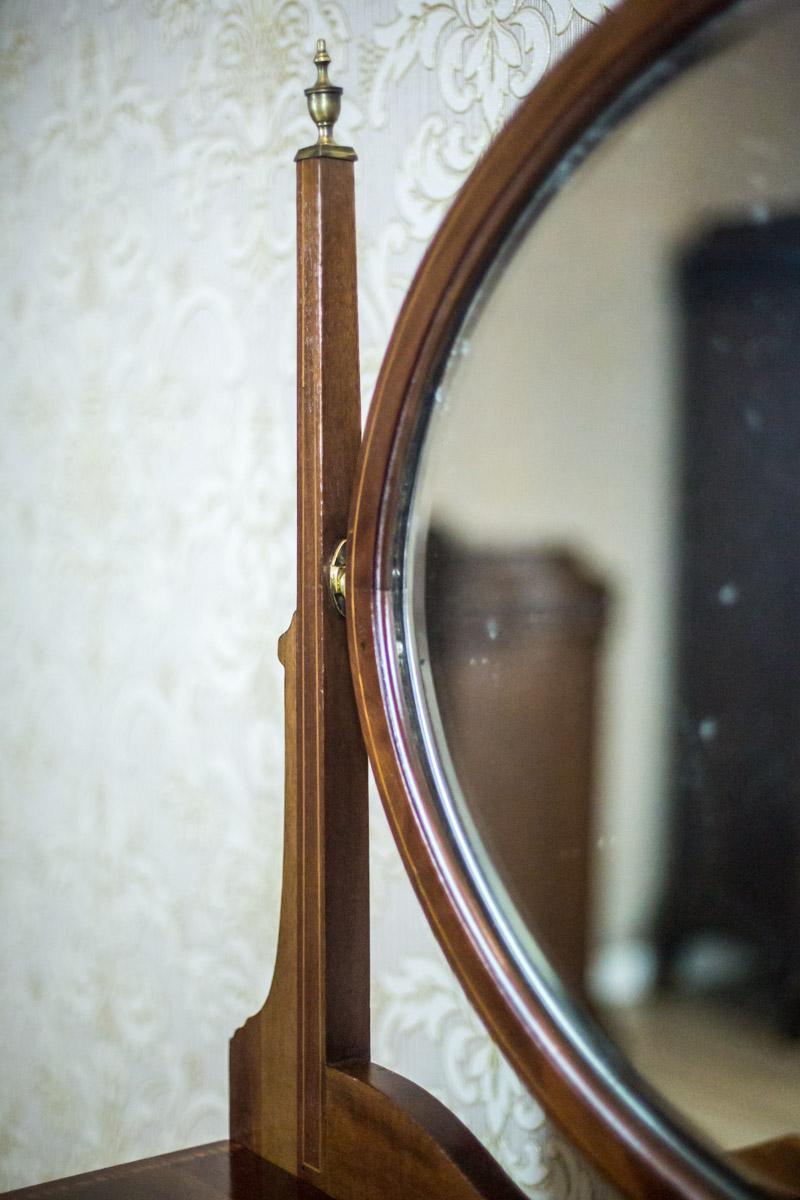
{"x":147,"y":540}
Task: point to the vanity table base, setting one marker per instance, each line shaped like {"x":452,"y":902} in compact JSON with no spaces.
{"x":218,"y":1171}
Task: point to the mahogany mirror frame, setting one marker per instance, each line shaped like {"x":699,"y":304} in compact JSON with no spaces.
{"x":600,"y":1103}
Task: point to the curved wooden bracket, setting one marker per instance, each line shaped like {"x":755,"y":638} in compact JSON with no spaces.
{"x":382,"y":1137}
{"x":304,"y":1094}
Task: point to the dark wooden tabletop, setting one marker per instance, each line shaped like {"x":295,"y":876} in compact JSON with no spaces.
{"x":218,"y":1171}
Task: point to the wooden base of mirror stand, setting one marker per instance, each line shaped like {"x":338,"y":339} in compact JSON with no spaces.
{"x":304,"y":1093}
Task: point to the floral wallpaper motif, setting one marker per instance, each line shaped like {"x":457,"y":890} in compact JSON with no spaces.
{"x":420,"y":1007}
{"x":482,"y":53}
{"x":147,"y":539}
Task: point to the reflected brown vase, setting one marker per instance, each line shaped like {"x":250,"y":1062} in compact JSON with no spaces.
{"x":513,"y":639}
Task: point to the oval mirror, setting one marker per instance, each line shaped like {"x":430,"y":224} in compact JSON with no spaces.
{"x":575,"y":577}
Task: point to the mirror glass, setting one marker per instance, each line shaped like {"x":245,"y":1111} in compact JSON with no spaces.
{"x":601,"y":579}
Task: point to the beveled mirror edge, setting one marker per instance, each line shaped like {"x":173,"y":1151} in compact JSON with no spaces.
{"x":640,"y":1156}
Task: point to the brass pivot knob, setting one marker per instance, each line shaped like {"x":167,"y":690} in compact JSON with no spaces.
{"x":337,"y":571}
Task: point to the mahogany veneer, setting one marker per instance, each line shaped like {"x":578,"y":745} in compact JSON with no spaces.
{"x":217,"y":1171}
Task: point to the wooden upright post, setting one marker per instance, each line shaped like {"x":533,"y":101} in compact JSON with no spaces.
{"x":333,"y":865}
{"x":304,"y":1094}
{"x":318,"y":1009}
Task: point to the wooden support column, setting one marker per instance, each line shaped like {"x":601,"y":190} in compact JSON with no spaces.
{"x":317,"y":1012}
{"x":333,"y":864}
{"x":304,"y":1094}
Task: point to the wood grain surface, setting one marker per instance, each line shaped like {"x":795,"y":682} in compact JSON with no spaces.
{"x":218,"y":1171}
{"x":333,"y":854}
{"x":318,"y":1010}
{"x":264,"y":1053}
{"x":304,"y":1093}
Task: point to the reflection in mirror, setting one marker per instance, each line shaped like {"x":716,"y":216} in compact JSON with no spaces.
{"x":603,"y":576}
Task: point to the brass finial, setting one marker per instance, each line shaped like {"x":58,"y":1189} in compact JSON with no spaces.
{"x":324,"y":104}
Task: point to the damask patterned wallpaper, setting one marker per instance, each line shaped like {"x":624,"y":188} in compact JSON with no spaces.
{"x":146,"y":538}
